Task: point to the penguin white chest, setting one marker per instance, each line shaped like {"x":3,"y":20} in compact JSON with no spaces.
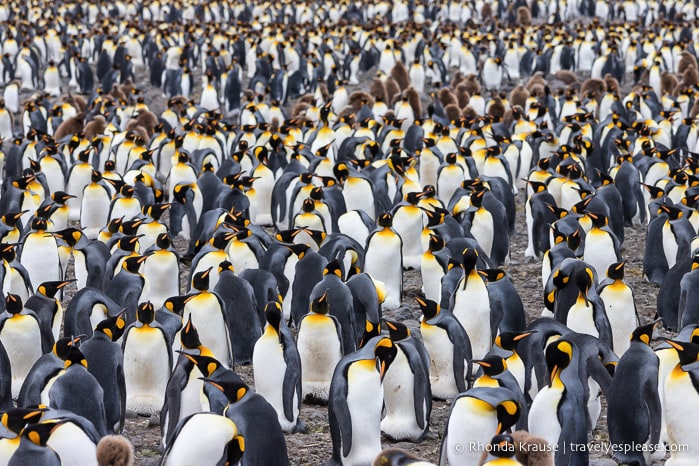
{"x":73,"y":445}
{"x":320,"y":350}
{"x":482,"y":230}
{"x":680,"y":410}
{"x":201,"y":441}
{"x":441,"y":352}
{"x":364,"y":401}
{"x":669,"y":245}
{"x":269,"y":370}
{"x":40,"y":258}
{"x":205,"y":312}
{"x":543,"y":415}
{"x":599,"y":251}
{"x":383,"y":262}
{"x":472,"y":308}
{"x":400,"y":421}
{"x":580,"y":318}
{"x":472,"y":422}
{"x":146,"y":370}
{"x":21,"y":338}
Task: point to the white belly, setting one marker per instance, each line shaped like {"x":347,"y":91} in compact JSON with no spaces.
{"x":146,"y":370}
{"x":73,"y":445}
{"x":680,"y":409}
{"x":383,"y":263}
{"x":320,"y":351}
{"x":201,"y":441}
{"x":596,"y":252}
{"x":580,"y":319}
{"x":622,"y":318}
{"x":161,"y":271}
{"x":364,"y":399}
{"x":469,"y":432}
{"x":441,"y":353}
{"x":269,"y":369}
{"x":210,"y":325}
{"x":21,"y":338}
{"x":472,"y":308}
{"x":241,"y":256}
{"x":351,"y":225}
{"x":40,"y":258}
{"x":543,"y":415}
{"x":482,"y":230}
{"x":400,"y":422}
{"x":432,"y":274}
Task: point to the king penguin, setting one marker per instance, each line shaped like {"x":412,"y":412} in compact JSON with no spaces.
{"x":277,"y":369}
{"x":206,"y":439}
{"x":319,"y":342}
{"x":356,"y":401}
{"x":384,"y":259}
{"x":147,"y":362}
{"x":620,"y":305}
{"x":407,"y":392}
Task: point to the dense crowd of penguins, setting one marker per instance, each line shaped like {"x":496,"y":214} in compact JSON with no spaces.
{"x":307,"y":154}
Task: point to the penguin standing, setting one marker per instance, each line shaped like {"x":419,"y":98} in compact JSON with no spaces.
{"x":449,"y":349}
{"x":384,"y":259}
{"x":147,"y":362}
{"x":277,"y":369}
{"x":475,"y":417}
{"x":340,"y":302}
{"x":105,"y":362}
{"x":407,"y":392}
{"x":93,"y":209}
{"x":408,"y":223}
{"x":319,"y":343}
{"x":356,"y":401}
{"x":161,"y":269}
{"x":39,"y":254}
{"x":602,"y":247}
{"x":633,"y":406}
{"x":23,"y":338}
{"x":620,"y":305}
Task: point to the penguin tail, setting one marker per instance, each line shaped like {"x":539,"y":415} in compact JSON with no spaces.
{"x":115,"y":450}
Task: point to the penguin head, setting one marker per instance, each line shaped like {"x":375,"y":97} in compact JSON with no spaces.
{"x":221,"y":239}
{"x":371,"y":330}
{"x":333,"y":268}
{"x":225,"y":266}
{"x":155,"y":211}
{"x":200,"y":281}
{"x":429,"y":308}
{"x":206,"y":363}
{"x":320,"y":305}
{"x":436,"y":242}
{"x":13,"y":304}
{"x":469,"y":259}
{"x":273,"y":315}
{"x":145,"y":313}
{"x":308,"y":205}
{"x":232,"y":387}
{"x":95,"y":176}
{"x":132,"y":264}
{"x":75,"y":357}
{"x":189,"y":337}
{"x":175,"y":304}
{"x":397,"y":457}
{"x":60,"y":197}
{"x":234,"y":450}
{"x":39,"y":224}
{"x":435,"y":216}
{"x":49,"y":289}
{"x":11,"y":218}
{"x":492,"y":365}
{"x":477,"y":198}
{"x":695,"y":261}
{"x":396,"y":330}
{"x":163,"y":241}
{"x":616,"y":271}
{"x":559,"y":355}
{"x":688,"y":352}
{"x":644,"y":333}
{"x":40,"y":433}
{"x":341,"y":171}
{"x":109,"y":165}
{"x":8,"y":252}
{"x":113,"y":326}
{"x":509,"y":340}
{"x":63,"y":345}
{"x":385,"y":220}
{"x":502,"y":446}
{"x":385,"y":352}
{"x":15,"y":419}
{"x":130,"y":227}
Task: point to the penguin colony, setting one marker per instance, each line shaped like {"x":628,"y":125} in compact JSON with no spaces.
{"x":301,"y":200}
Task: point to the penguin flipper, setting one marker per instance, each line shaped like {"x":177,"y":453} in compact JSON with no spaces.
{"x":462,"y":358}
{"x":292,"y":378}
{"x":420,"y":389}
{"x":340,"y":413}
{"x":121,"y":383}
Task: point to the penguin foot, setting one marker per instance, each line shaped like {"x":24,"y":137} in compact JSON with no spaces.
{"x":300,"y":428}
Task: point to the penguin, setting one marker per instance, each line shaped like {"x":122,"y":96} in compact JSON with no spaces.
{"x":129,"y":287}
{"x":384,"y":259}
{"x":620,"y":306}
{"x":277,"y":369}
{"x":398,"y":457}
{"x":39,"y":254}
{"x":147,"y":362}
{"x":13,"y":420}
{"x":161,"y":269}
{"x":475,"y":417}
{"x":93,"y":208}
{"x":485,"y":213}
{"x":495,"y":373}
{"x":88,"y":308}
{"x":33,"y":448}
{"x":105,"y":361}
{"x":601,"y":248}
{"x":408,"y":223}
{"x":205,"y":438}
{"x":633,"y":405}
{"x":255,"y":418}
{"x":680,"y":402}
{"x":211,"y":319}
{"x":22,"y":337}
{"x":449,"y":349}
{"x":564,"y":394}
{"x":340,"y":303}
{"x":407,"y":392}
{"x":239,"y":304}
{"x":319,"y":342}
{"x":15,"y":278}
{"x":42,"y":373}
{"x":47,"y":307}
{"x":76,"y":390}
{"x":356,"y":401}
